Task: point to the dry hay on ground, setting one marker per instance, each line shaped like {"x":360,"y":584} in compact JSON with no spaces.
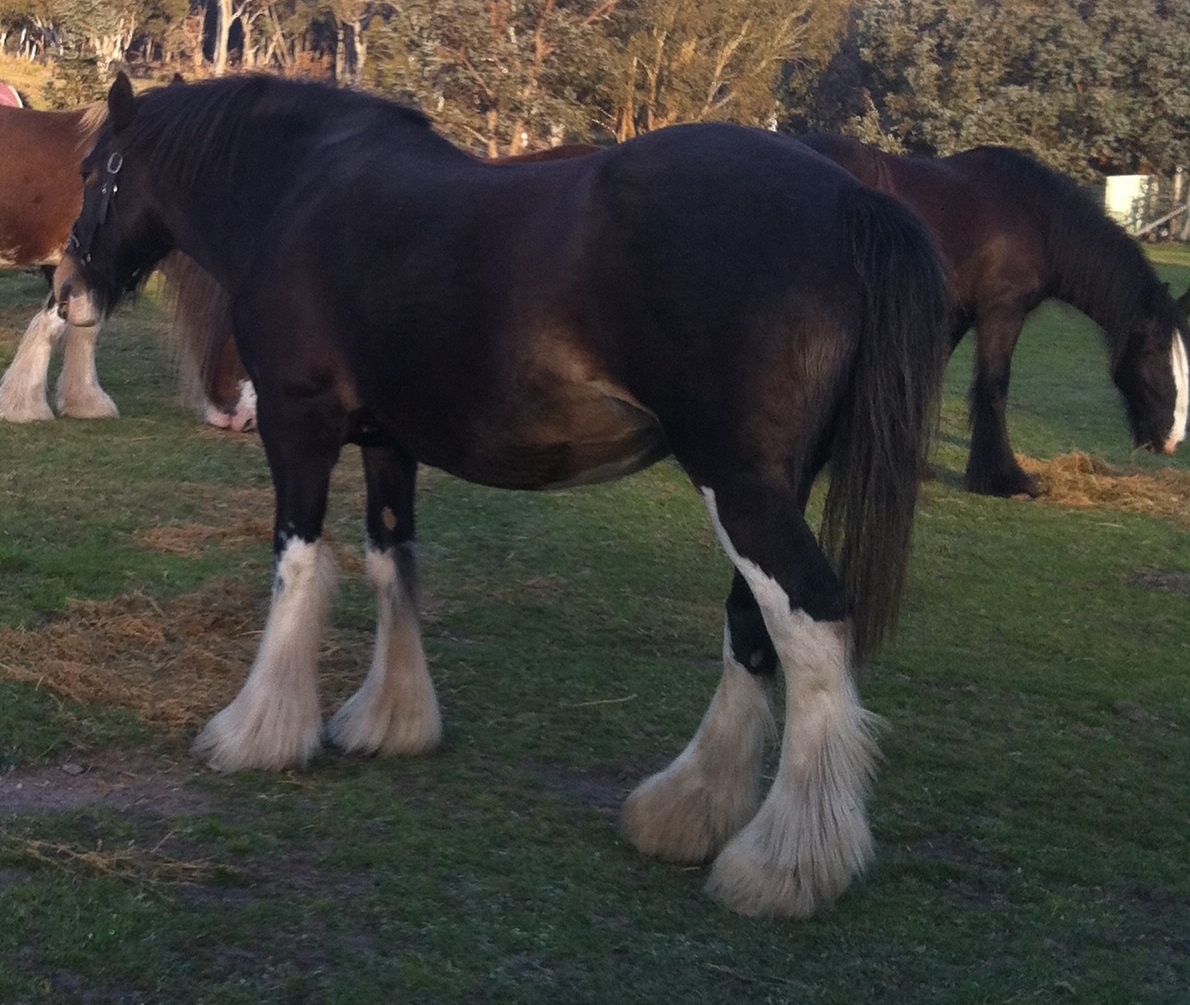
{"x":174,"y":664}
{"x":193,"y":538}
{"x":1080,"y":481}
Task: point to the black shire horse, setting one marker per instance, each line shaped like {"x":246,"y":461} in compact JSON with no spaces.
{"x":1015,"y":233}
{"x":708,"y":292}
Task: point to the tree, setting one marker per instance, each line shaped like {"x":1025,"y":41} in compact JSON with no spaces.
{"x":1086,"y":85}
{"x":691,"y":61}
{"x":500,"y":75}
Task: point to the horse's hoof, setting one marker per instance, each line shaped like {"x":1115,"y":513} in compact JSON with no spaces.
{"x":1004,"y":485}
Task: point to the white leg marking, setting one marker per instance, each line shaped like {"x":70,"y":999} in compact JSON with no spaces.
{"x":395,"y":711}
{"x":22,"y":391}
{"x":810,"y":837}
{"x":79,"y":394}
{"x":275,"y":721}
{"x":1181,"y":377}
{"x":689,"y":811}
{"x":240,"y":419}
{"x":244,"y":417}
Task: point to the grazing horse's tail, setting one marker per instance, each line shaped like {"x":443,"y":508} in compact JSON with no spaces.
{"x":888,"y":419}
{"x":202,"y":335}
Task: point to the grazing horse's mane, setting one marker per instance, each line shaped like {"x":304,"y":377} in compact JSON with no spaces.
{"x":187,"y":128}
{"x":1098,"y":267}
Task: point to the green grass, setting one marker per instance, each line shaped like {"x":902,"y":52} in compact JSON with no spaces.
{"x":1032,"y":815}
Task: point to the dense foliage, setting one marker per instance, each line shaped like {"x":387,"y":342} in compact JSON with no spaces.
{"x":1091,"y":86}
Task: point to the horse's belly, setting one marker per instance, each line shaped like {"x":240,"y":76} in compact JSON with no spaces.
{"x":576,"y":434}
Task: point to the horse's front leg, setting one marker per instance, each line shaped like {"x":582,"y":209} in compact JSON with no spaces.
{"x":992,"y":468}
{"x":78,"y":392}
{"x":22,"y":391}
{"x":276,"y":721}
{"x":395,"y":711}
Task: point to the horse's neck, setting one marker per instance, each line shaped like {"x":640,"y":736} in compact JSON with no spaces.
{"x":1106,"y":286}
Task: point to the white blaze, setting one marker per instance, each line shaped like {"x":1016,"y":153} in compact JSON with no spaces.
{"x":1181,"y":378}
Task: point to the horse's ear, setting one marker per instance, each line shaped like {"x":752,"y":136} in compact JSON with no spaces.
{"x":120,"y":105}
{"x":178,"y":79}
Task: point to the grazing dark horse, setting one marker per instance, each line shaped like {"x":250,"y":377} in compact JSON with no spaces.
{"x":708,"y":292}
{"x":40,"y":196}
{"x":1015,"y":233}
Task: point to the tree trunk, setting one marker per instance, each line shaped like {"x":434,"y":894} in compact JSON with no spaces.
{"x":359,"y":52}
{"x":222,"y":31}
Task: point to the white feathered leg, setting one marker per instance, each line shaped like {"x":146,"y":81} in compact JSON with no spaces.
{"x":687,"y":812}
{"x":810,"y":837}
{"x":79,"y":394}
{"x":395,"y":711}
{"x":23,"y":387}
{"x":275,"y":721}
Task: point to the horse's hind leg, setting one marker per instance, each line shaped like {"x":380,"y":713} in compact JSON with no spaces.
{"x":22,"y":390}
{"x":276,"y":721}
{"x":810,"y":837}
{"x":687,"y":812}
{"x":396,"y":710}
{"x":78,"y":393}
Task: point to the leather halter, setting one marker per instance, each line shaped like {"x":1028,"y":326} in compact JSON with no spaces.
{"x":79,"y":248}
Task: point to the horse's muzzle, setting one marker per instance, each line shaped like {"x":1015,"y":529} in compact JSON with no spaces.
{"x":77,"y":307}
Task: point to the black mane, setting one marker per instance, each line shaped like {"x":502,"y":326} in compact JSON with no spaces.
{"x":188,"y":130}
{"x":1098,"y":267}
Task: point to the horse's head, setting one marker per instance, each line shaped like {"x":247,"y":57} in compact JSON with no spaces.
{"x":116,"y":240}
{"x":1154,"y":373}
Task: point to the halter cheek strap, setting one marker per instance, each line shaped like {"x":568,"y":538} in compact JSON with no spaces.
{"x":79,"y":248}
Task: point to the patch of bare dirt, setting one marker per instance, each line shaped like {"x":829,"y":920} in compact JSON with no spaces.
{"x":128,"y":782}
{"x":1079,"y":481}
{"x":603,"y":791}
{"x":1164,"y":582}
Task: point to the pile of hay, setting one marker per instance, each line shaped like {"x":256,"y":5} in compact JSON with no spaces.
{"x":1080,"y":481}
{"x":193,"y":538}
{"x":174,"y":664}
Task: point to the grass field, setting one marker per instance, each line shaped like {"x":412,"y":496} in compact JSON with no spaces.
{"x":1032,"y":814}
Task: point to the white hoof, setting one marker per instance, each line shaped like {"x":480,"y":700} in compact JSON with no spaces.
{"x":94,"y":405}
{"x":268,"y":735}
{"x":678,"y":815}
{"x":365,"y":726}
{"x":780,"y":868}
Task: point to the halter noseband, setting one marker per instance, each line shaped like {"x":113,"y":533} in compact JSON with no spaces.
{"x":107,"y":193}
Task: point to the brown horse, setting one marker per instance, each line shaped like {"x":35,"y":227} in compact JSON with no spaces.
{"x":40,"y":195}
{"x":1015,"y":233}
{"x":711,"y":293}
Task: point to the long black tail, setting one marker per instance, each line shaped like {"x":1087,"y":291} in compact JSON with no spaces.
{"x":888,"y":420}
